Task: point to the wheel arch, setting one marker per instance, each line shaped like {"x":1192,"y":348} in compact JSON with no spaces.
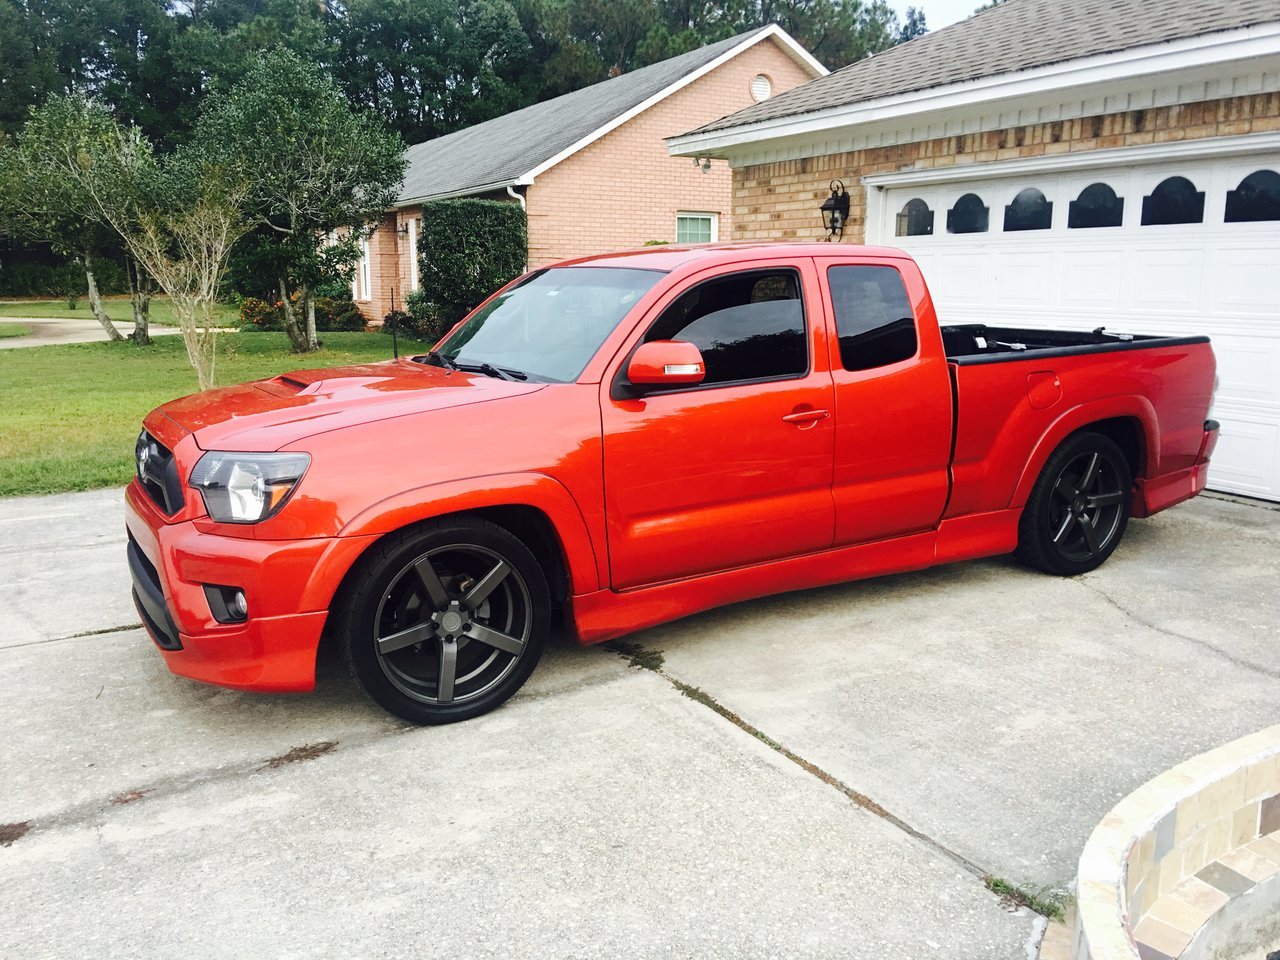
{"x":1128,"y":421}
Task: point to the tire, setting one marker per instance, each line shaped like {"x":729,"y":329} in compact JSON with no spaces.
{"x":1079,"y":507}
{"x":444,"y":621}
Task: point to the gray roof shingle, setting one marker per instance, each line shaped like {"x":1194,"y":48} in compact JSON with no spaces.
{"x":492,"y":154}
{"x":1017,"y":35}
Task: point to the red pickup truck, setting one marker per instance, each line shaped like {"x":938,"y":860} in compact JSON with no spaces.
{"x":626,"y":439}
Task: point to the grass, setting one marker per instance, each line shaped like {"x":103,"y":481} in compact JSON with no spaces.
{"x":69,"y":414}
{"x":13,"y":330}
{"x":118,"y":309}
{"x":1049,"y":905}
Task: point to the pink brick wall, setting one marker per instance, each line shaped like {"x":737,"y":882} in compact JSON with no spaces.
{"x":621,"y":190}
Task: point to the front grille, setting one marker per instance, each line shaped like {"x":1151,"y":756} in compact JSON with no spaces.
{"x":148,"y":598}
{"x":158,"y":473}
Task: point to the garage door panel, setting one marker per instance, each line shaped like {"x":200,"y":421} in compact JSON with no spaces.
{"x":1020,"y":279}
{"x":1167,"y":281}
{"x":1246,"y":279}
{"x":1247,"y":458}
{"x":1248,"y":370}
{"x":1091,"y":280}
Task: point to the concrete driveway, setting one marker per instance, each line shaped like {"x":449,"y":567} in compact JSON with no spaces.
{"x":46,"y":331}
{"x":816,"y":775}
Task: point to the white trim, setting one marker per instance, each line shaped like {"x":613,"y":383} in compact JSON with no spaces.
{"x":707,"y":214}
{"x":1207,"y":50}
{"x":1084,"y":159}
{"x":468,"y":192}
{"x":413,"y":254}
{"x":772,"y":31}
{"x":365,"y":272}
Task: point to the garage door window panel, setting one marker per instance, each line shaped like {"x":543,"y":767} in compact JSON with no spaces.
{"x":1097,"y":206}
{"x":1030,"y":210}
{"x":874,"y":321}
{"x":1174,"y":200}
{"x":1256,"y":199}
{"x":969,"y":215}
{"x":915,"y":219}
{"x":749,"y":327}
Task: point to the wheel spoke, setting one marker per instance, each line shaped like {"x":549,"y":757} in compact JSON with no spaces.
{"x":448,"y":669}
{"x":431,"y":583}
{"x":1067,"y":521}
{"x":1090,"y":472}
{"x":495,"y":638}
{"x":1090,"y":534}
{"x":1106,"y":499}
{"x":405,"y":638}
{"x":485,"y":586}
{"x":1065,"y":490}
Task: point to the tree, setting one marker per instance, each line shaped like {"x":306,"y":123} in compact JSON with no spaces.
{"x":318,"y":175}
{"x":914,"y":26}
{"x":44,"y":193}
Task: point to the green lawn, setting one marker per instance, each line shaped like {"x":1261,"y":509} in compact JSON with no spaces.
{"x":13,"y":330}
{"x":119,"y":310}
{"x":69,"y":414}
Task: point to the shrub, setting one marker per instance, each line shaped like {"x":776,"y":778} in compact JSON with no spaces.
{"x":332,"y":314}
{"x":27,"y":278}
{"x":338,"y":314}
{"x":423,"y":320}
{"x":468,"y":249}
{"x":258,"y":314}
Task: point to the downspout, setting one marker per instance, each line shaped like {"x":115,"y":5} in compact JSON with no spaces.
{"x":519,"y":198}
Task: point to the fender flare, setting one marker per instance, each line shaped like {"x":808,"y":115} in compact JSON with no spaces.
{"x":1108,"y":408}
{"x":535,"y":490}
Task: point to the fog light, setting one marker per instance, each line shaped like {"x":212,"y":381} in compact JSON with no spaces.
{"x":239,"y":605}
{"x":227,"y":604}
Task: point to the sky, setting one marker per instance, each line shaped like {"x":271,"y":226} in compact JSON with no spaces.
{"x":939,"y":13}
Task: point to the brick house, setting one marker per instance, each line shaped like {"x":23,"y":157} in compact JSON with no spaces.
{"x":1095,"y":163}
{"x":591,"y":167}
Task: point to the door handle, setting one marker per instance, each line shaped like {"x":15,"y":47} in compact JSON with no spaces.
{"x":806,"y":416}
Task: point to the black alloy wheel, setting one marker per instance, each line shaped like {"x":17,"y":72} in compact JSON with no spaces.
{"x":1079,"y":508}
{"x":446,"y":621}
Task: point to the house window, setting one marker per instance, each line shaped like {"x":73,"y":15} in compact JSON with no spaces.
{"x":363,"y":273}
{"x":1097,"y":206}
{"x":761,"y":88}
{"x":915,"y":219}
{"x":969,"y":215}
{"x":874,"y":321}
{"x":1029,"y":211}
{"x":1174,"y":200}
{"x":1257,"y":198}
{"x":749,"y":326}
{"x":413,"y":253}
{"x":696,"y":227}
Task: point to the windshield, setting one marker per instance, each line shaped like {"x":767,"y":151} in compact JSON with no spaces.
{"x":550,"y":325}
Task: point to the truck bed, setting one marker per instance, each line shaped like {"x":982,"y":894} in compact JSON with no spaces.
{"x":975,"y":343}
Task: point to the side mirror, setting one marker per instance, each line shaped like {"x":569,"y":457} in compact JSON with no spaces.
{"x":666,"y":363}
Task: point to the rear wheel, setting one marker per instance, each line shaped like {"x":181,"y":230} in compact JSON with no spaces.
{"x":1079,"y":507}
{"x":445,"y":621}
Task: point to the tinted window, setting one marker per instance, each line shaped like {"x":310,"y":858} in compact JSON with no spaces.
{"x":749,"y":326}
{"x":1029,"y":211}
{"x":1175,"y":200}
{"x":969,"y":215}
{"x":873,"y":316}
{"x":1257,"y":198}
{"x":1097,"y":206}
{"x":915,"y":219}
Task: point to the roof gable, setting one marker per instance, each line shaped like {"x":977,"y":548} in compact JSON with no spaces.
{"x":1014,"y":36}
{"x":514,"y":147}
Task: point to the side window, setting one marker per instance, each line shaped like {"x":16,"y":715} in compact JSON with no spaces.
{"x":749,"y":326}
{"x":1030,"y":210}
{"x":873,"y":316}
{"x":1174,"y":200}
{"x":1097,"y":206}
{"x":915,"y":219}
{"x":1257,"y":198}
{"x":969,"y":215}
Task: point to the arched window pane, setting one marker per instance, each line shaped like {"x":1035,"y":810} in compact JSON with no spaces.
{"x":1257,"y":198}
{"x":1097,"y":206}
{"x":1174,"y":200}
{"x":915,"y":219}
{"x":969,"y":215}
{"x":1029,"y":211}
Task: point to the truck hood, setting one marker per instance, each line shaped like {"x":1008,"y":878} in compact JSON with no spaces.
{"x":267,"y":415}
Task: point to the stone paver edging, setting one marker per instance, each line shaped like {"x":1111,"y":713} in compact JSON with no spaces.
{"x":1177,"y":850}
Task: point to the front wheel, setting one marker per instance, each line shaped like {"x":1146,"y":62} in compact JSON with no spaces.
{"x":1079,"y":507}
{"x":445,"y":621}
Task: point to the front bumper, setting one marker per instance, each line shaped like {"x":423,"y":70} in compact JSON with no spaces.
{"x":288,"y":583}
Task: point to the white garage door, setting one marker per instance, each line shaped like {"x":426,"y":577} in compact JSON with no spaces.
{"x":1181,"y":247}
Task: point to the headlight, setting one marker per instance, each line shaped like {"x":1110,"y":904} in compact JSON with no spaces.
{"x":247,"y":487}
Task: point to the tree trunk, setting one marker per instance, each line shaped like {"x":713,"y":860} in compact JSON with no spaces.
{"x":309,"y":304}
{"x":140,"y":294}
{"x":95,"y":301}
{"x":297,"y":335}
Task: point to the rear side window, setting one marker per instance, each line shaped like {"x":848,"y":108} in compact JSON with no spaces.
{"x":749,"y":326}
{"x":873,"y":316}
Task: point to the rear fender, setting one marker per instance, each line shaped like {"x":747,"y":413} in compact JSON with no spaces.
{"x":1108,"y":408}
{"x":500,"y":490}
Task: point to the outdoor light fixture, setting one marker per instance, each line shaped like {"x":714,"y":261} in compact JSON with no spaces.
{"x":835,"y":210}
{"x":706,"y":165}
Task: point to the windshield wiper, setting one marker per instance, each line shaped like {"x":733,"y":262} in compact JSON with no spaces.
{"x":489,"y":370}
{"x":441,"y":360}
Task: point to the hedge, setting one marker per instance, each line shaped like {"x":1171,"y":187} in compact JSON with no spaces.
{"x":27,"y":278}
{"x":467,"y":249}
{"x":331,"y":314}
